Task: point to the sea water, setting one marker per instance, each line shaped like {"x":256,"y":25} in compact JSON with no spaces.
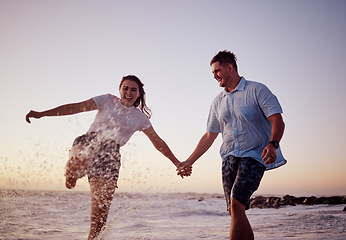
{"x":178,"y":216}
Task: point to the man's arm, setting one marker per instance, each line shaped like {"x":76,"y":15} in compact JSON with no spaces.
{"x":278,"y":127}
{"x":67,"y":109}
{"x":204,"y":144}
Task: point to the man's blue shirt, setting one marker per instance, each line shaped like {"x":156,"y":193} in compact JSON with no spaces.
{"x":242,"y":118}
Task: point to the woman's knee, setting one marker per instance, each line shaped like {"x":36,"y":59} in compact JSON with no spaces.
{"x":102,"y":191}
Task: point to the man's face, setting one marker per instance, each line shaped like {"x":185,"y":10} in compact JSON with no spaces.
{"x":221,"y":74}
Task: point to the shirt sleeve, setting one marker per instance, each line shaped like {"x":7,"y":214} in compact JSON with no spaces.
{"x":213,"y":123}
{"x":268,"y":102}
{"x":146,"y":124}
{"x":100,"y":100}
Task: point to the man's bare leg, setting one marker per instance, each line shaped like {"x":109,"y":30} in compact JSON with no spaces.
{"x":240,"y":225}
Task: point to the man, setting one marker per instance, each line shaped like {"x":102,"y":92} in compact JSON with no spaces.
{"x":249,"y":118}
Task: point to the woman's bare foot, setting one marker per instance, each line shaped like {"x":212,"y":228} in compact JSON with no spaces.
{"x":70,"y":174}
{"x":70,"y":182}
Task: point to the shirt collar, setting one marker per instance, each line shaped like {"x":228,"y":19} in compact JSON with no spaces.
{"x":240,"y":86}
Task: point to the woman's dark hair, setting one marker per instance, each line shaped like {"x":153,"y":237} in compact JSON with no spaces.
{"x":225,"y":57}
{"x":140,"y":101}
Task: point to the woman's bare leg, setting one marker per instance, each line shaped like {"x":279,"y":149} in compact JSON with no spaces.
{"x":76,"y":166}
{"x":102,"y":192}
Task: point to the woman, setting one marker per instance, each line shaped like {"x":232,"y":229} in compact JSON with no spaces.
{"x":96,"y":153}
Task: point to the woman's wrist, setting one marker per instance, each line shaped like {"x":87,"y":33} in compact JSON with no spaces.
{"x":176,"y":162}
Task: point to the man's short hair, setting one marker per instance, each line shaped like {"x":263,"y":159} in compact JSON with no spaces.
{"x":225,"y":57}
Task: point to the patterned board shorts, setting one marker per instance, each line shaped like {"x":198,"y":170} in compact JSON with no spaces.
{"x":241,"y":178}
{"x":104,"y":155}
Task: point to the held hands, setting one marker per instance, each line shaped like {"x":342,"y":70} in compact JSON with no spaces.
{"x":184,"y":169}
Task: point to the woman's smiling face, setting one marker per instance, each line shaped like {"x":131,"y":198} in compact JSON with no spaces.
{"x":129,"y":93}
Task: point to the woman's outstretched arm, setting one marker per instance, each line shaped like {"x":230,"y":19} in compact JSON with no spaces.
{"x":160,"y":145}
{"x":67,"y":109}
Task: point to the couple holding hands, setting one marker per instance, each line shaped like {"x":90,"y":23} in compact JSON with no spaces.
{"x":246,"y":113}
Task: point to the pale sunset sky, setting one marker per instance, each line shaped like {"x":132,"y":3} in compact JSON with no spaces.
{"x":58,"y":52}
